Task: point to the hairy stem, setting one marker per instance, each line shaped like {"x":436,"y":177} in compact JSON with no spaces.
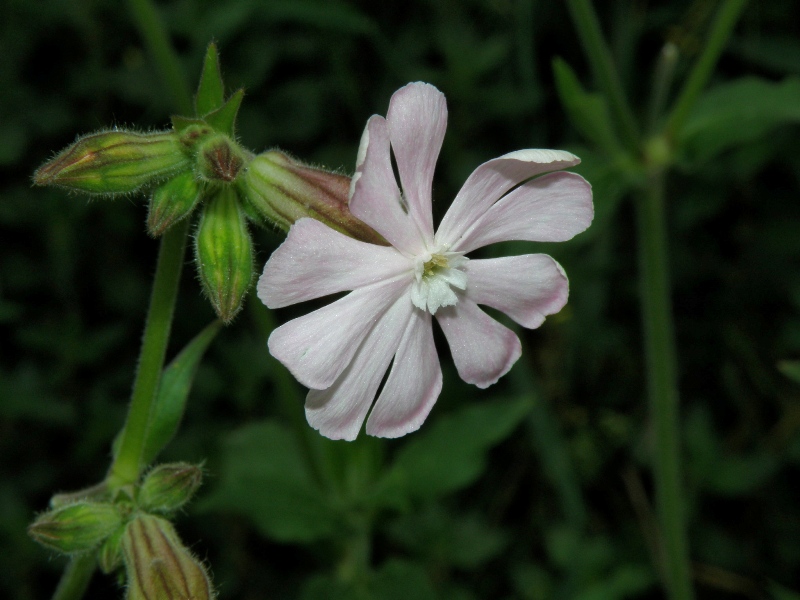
{"x":76,"y":578}
{"x":127,"y":464}
{"x":662,"y":386}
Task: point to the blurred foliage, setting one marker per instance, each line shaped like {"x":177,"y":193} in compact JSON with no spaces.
{"x":536,"y":488}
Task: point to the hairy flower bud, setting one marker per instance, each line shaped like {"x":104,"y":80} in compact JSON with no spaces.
{"x":95,"y":493}
{"x":171,"y":202}
{"x":109,"y":556}
{"x":224,"y":253}
{"x":76,"y":527}
{"x":219,"y":159}
{"x":159,"y":566}
{"x":114,"y":162}
{"x":168,"y":487}
{"x":281,"y":190}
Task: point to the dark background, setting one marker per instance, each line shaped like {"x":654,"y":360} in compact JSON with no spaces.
{"x":552,"y":492}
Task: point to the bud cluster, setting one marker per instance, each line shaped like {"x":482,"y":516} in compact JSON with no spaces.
{"x":198,"y":166}
{"x":131,"y":530}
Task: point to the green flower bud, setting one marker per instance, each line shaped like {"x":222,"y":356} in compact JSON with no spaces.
{"x":109,"y":557}
{"x":159,"y":566}
{"x":171,"y":202}
{"x":95,"y":493}
{"x":76,"y":527}
{"x":219,"y":159}
{"x":166,"y":488}
{"x":224,"y":254}
{"x":281,"y":190}
{"x":114,"y":162}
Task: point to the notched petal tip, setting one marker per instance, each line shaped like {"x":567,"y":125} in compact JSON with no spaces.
{"x":544,"y":157}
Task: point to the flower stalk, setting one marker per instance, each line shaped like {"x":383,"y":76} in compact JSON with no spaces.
{"x":127,"y":465}
{"x":662,"y":385}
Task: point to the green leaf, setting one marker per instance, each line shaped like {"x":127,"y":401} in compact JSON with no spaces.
{"x":451,"y":453}
{"x":264,"y":476}
{"x":443,"y":537}
{"x":400,"y":580}
{"x":778,"y":592}
{"x":790,"y":368}
{"x":735,"y":113}
{"x":588,"y":112}
{"x":211,"y":91}
{"x":715,"y":469}
{"x":173,"y":390}
{"x":325,"y":587}
{"x":626,"y":581}
{"x":224,"y":118}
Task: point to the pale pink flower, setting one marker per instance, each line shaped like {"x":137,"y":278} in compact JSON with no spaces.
{"x":342,"y":351}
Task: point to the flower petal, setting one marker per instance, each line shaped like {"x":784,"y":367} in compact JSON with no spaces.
{"x":490,"y":181}
{"x":315,"y":261}
{"x":483,"y":349}
{"x":338,"y":411}
{"x":375,"y":197}
{"x":414,"y":382}
{"x":318,"y":346}
{"x":417,"y":119}
{"x":527,"y":288}
{"x":551,"y":208}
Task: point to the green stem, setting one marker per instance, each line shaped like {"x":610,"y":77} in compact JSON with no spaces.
{"x":155,"y":36}
{"x":662,"y":384}
{"x":724,"y":22}
{"x":76,"y":578}
{"x":602,"y":65}
{"x":127,"y":464}
{"x":662,"y":81}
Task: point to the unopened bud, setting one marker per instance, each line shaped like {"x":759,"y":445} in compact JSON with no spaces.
{"x":77,"y":527}
{"x":224,"y":253}
{"x":282,"y":190}
{"x":95,"y":493}
{"x":109,"y":557}
{"x":171,"y":202}
{"x":114,"y":162}
{"x":220,"y":159}
{"x":167,"y":488}
{"x":159,"y":566}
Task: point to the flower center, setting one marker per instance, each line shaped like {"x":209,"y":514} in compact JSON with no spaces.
{"x":435,"y":276}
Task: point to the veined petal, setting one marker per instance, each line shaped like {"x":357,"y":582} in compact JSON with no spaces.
{"x":490,"y":181}
{"x":414,"y":382}
{"x":338,"y":411}
{"x":318,"y":346}
{"x":375,"y":197}
{"x":483,"y":349}
{"x":417,"y":119}
{"x":527,"y":288}
{"x":551,"y":208}
{"x":315,"y":261}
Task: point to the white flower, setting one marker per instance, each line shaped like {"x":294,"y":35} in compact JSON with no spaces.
{"x":342,"y":351}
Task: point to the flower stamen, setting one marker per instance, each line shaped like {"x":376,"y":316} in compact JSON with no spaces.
{"x":435,"y":276}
